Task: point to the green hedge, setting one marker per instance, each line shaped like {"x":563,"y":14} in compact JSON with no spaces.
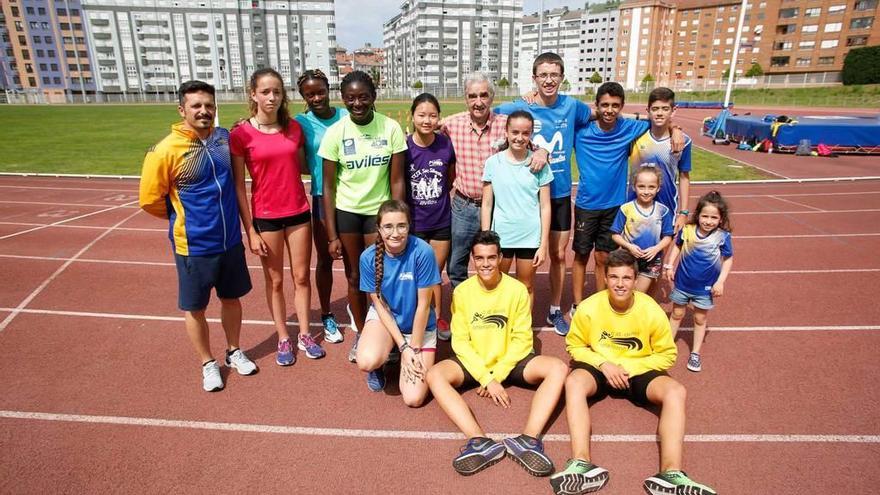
{"x":862,"y":66}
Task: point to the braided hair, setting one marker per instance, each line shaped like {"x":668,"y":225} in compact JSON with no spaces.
{"x":283,"y":114}
{"x":390,"y":206}
{"x":311,"y":74}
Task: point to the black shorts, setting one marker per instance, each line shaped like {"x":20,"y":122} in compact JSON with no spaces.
{"x":637,"y":393}
{"x":519,"y":253}
{"x":592,"y":228}
{"x":355,"y":223}
{"x":515,"y":377}
{"x":441,"y":234}
{"x":651,"y":268}
{"x":560,"y":214}
{"x":276,"y":224}
{"x":226,"y":272}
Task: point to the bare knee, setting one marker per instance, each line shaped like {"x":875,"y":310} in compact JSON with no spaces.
{"x":675,"y":393}
{"x":558,"y":371}
{"x":301,"y":278}
{"x":699,"y":318}
{"x":557,"y":256}
{"x":677,"y":312}
{"x":369,"y":361}
{"x":275,"y":282}
{"x":414,"y":399}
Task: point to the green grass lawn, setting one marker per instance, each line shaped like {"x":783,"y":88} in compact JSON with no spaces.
{"x":866,"y":97}
{"x":112,"y":139}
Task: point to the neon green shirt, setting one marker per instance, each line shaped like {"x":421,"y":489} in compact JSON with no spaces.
{"x":363,"y":161}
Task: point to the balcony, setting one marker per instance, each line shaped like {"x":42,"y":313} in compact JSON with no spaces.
{"x":103,"y":36}
{"x":200,"y":37}
{"x":100,"y":22}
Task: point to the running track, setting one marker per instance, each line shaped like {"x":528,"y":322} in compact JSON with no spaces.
{"x":100,"y":388}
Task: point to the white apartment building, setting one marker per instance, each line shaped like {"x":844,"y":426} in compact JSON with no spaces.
{"x":154,"y":45}
{"x":584,"y":39}
{"x":439,"y":42}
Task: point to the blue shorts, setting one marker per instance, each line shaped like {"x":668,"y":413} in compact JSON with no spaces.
{"x":682,"y":298}
{"x":226,"y":272}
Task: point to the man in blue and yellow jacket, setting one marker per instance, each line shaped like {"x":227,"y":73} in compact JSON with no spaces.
{"x":187,"y":179}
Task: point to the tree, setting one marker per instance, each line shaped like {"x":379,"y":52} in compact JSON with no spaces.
{"x":565,"y":86}
{"x":596,"y":78}
{"x":648,"y":81}
{"x":862,"y":66}
{"x":726,"y":74}
{"x":503,"y":83}
{"x":417,"y":85}
{"x":374,"y":73}
{"x":755,"y":70}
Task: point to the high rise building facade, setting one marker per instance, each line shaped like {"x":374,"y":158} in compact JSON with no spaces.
{"x":693,"y":47}
{"x":437,"y":43}
{"x":44,"y":50}
{"x":154,"y":45}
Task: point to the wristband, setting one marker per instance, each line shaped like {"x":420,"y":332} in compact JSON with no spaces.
{"x":684,"y":212}
{"x":404,"y":347}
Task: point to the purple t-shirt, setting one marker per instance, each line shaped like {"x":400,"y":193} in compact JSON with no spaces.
{"x":427,"y":184}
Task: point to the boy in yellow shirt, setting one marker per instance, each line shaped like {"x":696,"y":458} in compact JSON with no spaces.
{"x":621,"y":344}
{"x":492,"y":342}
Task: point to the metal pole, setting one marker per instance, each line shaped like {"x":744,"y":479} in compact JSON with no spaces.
{"x":742,"y":17}
{"x":541,"y":29}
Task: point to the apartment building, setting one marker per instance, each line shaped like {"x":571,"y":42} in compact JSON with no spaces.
{"x":599,"y":33}
{"x":561,"y":35}
{"x":437,"y":43}
{"x":785,"y":37}
{"x":153,"y":46}
{"x":366,"y":58}
{"x":43,"y":50}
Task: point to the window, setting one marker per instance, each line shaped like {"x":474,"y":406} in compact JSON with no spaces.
{"x":787,"y":28}
{"x":813,"y":12}
{"x":828,"y":44}
{"x":857,"y":41}
{"x":40,"y":53}
{"x":29,"y":10}
{"x":779,"y":61}
{"x":45,"y":80}
{"x":833,"y":27}
{"x":56,"y":80}
{"x":47,"y":40}
{"x":15,"y":11}
{"x":61,"y":11}
{"x":22,"y":40}
{"x":826,"y":60}
{"x":836,"y":9}
{"x":29,"y":68}
{"x":812,"y":28}
{"x":802,"y":62}
{"x":32,"y":81}
{"x":866,"y":5}
{"x":788,"y":13}
{"x":806,"y":45}
{"x":861,"y":23}
{"x":782,"y":45}
{"x":26,"y":55}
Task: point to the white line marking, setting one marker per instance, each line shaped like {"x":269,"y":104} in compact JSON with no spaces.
{"x":55,"y":274}
{"x":796,"y":203}
{"x":92,"y":227}
{"x":72,"y":219}
{"x":50,"y":188}
{"x":866,"y":210}
{"x":287,"y":268}
{"x":43,"y":203}
{"x":124,"y":316}
{"x":413,"y":434}
{"x":803,"y":236}
{"x":792,"y":195}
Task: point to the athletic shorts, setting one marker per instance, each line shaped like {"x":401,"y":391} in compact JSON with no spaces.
{"x":682,"y":298}
{"x":592,"y":228}
{"x":651,"y":268}
{"x":355,"y":223}
{"x":226,"y":272}
{"x":515,"y":377}
{"x":441,"y":234}
{"x":429,"y":341}
{"x":560,"y":214}
{"x":637,"y":393}
{"x":276,"y":224}
{"x":519,"y":253}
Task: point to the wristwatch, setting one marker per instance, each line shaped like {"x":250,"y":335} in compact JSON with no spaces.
{"x":684,"y":212}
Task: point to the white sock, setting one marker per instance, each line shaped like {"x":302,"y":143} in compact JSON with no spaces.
{"x":554,"y":309}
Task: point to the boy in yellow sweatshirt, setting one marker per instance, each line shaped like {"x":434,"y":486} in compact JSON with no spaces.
{"x":492,"y":342}
{"x":621,"y":344}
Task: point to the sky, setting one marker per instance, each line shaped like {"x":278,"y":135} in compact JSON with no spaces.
{"x":365,"y":26}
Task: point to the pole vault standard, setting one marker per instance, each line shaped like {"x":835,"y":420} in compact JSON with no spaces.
{"x":731,"y":71}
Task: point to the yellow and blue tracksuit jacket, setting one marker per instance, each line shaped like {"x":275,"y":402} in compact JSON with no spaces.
{"x":191,"y":184}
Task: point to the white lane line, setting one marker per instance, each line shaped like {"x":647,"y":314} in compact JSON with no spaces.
{"x":51,"y":188}
{"x":91,"y":227}
{"x":127,"y":316}
{"x":777,"y":198}
{"x":45,"y":203}
{"x":23,"y":304}
{"x":413,"y":434}
{"x":793,"y":195}
{"x":7,"y":236}
{"x":865,"y":210}
{"x":804,"y":236}
{"x":287,"y":268}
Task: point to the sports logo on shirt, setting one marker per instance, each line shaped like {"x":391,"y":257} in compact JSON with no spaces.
{"x":404,"y":276}
{"x":348,"y":146}
{"x":631,"y":343}
{"x":379,"y":143}
{"x":427,"y":184}
{"x":499,"y":321}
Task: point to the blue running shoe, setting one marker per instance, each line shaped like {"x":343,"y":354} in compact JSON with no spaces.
{"x":557,"y":319}
{"x":284,"y":356}
{"x":478,"y":454}
{"x":528,"y":452}
{"x":376,"y":379}
{"x":312,"y":349}
{"x":332,"y":333}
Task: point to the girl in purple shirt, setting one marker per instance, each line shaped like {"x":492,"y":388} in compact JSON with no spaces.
{"x":430,"y":170}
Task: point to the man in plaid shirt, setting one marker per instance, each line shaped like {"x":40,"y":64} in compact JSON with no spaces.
{"x":476,"y":135}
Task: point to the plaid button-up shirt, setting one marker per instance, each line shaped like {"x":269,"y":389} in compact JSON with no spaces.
{"x":473,"y":147}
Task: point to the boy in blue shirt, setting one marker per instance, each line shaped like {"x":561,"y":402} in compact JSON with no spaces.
{"x":556,"y":118}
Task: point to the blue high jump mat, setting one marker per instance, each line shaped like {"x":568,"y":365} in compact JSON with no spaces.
{"x":843,"y":134}
{"x":701,"y":104}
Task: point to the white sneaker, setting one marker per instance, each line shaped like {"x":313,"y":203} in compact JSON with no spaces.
{"x":211,"y":379}
{"x":353,"y":352}
{"x":351,"y":319}
{"x":240,"y":362}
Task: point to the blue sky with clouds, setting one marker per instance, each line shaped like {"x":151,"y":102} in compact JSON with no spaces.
{"x":359,"y":21}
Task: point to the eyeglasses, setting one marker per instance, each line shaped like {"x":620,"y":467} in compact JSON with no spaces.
{"x":388,"y":228}
{"x":544,"y":76}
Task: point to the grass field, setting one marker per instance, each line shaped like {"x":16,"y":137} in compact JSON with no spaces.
{"x":856,"y":96}
{"x":112,"y":139}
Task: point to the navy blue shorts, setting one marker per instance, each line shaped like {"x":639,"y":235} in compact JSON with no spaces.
{"x":226,"y":272}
